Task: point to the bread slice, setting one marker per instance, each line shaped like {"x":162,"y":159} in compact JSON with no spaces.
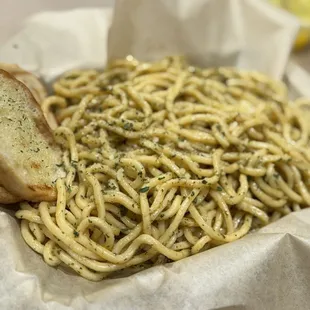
{"x":30,"y":80}
{"x":36,"y":87}
{"x":38,"y":90}
{"x":30,"y":160}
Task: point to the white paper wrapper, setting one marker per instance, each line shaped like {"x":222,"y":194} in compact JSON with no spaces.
{"x":242,"y":33}
{"x":53,"y":42}
{"x":265,"y":270}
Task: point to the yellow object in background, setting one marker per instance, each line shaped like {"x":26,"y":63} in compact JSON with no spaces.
{"x":301,"y":9}
{"x":302,"y":39}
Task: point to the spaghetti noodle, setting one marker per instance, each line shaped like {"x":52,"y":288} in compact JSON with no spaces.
{"x":163,"y":161}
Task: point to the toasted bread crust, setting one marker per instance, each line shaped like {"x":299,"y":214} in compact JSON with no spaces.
{"x":30,"y":80}
{"x":35,"y":86}
{"x":8,"y":198}
{"x":27,"y":170}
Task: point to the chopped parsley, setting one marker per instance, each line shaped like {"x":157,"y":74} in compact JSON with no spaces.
{"x":128,"y":126}
{"x":144,"y":189}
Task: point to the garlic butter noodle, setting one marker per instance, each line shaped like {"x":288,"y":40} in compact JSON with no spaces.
{"x":164,"y":160}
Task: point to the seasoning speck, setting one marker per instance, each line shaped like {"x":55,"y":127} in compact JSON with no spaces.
{"x":144,"y":189}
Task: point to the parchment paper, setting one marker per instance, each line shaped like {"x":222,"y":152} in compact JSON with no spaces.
{"x":269,"y":269}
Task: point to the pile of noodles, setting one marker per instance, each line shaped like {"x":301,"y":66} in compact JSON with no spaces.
{"x":164,"y":161}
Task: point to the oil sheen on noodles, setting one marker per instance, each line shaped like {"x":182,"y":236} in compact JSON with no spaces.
{"x":164,"y":161}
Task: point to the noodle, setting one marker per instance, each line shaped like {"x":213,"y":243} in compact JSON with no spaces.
{"x":164,"y":161}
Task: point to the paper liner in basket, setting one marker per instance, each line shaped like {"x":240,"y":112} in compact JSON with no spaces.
{"x":242,"y":33}
{"x":265,"y":270}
